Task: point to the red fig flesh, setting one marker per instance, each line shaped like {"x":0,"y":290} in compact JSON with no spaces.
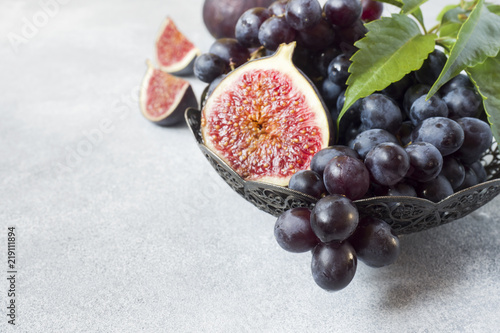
{"x":174,"y":52}
{"x":164,"y":97}
{"x":266,"y":120}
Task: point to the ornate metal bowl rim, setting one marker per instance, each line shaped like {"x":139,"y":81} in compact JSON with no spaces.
{"x":405,"y":214}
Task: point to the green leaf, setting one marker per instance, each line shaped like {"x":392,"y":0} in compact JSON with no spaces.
{"x":392,"y":48}
{"x":486,"y":77}
{"x":409,"y":6}
{"x":450,"y":29}
{"x":445,"y":10}
{"x":417,"y":13}
{"x":453,"y":16}
{"x":447,"y":43}
{"x":419,"y":16}
{"x":397,"y":3}
{"x":495,"y":9}
{"x":477,"y":39}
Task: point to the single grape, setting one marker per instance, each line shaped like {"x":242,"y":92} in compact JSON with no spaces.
{"x":477,"y":139}
{"x":404,"y":132}
{"x":402,"y":189}
{"x":275,"y":31}
{"x":349,"y":134}
{"x":435,"y":190}
{"x":371,"y":10}
{"x":352,"y":115}
{"x":375,"y":243}
{"x":479,"y":170}
{"x":308,"y":182}
{"x":426,"y":161}
{"x":470,"y":179}
{"x":453,"y":170}
{"x":317,"y":38}
{"x":431,"y":68}
{"x":247,"y":26}
{"x":333,"y":265}
{"x":412,"y":94}
{"x":445,"y":134}
{"x":459,"y":81}
{"x":330,"y":92}
{"x":463,"y":102}
{"x":208,"y":66}
{"x":334,"y":218}
{"x":380,"y":111}
{"x":278,"y":8}
{"x":388,"y":163}
{"x":231,"y":51}
{"x":342,"y":13}
{"x":303,"y":14}
{"x":350,"y":121}
{"x":368,"y":139}
{"x":347,"y":176}
{"x":293,"y":230}
{"x":323,"y":59}
{"x":322,"y":157}
{"x":422,"y":109}
{"x":338,"y":69}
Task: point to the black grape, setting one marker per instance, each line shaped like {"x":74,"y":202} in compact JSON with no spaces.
{"x":303,"y":14}
{"x":333,"y":265}
{"x":375,"y":243}
{"x":347,"y":176}
{"x":388,"y":163}
{"x":293,"y":230}
{"x":445,"y":134}
{"x":247,"y":27}
{"x":308,"y":182}
{"x":334,"y":218}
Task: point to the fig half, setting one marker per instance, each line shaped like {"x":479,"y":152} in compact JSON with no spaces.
{"x":266,"y":120}
{"x":175,"y":54}
{"x":164,"y":98}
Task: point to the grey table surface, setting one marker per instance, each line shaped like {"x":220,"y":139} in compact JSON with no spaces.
{"x":122,"y":226}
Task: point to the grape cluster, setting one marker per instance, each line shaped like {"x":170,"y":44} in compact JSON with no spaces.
{"x":403,"y":138}
{"x":334,"y":229}
{"x":393,"y":143}
{"x":324,"y":35}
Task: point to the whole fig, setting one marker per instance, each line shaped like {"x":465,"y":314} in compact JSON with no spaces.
{"x":220,"y":16}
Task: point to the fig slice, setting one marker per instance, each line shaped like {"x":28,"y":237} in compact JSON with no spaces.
{"x":266,"y":120}
{"x":175,"y":54}
{"x":164,"y":98}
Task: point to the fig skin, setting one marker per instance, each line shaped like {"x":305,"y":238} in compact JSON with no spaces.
{"x":220,"y":16}
{"x":176,"y":112}
{"x":177,"y":116}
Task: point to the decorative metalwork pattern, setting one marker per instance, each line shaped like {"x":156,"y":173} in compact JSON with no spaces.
{"x":275,"y":199}
{"x":405,"y":214}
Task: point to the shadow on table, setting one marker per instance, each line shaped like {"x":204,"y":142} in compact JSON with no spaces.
{"x":435,"y":262}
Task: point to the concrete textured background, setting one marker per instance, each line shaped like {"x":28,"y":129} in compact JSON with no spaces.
{"x":123,"y":226}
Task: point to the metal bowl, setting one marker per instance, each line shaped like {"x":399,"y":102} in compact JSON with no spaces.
{"x":405,"y":214}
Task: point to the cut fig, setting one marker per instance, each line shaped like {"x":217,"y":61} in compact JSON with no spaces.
{"x":174,"y":52}
{"x":164,"y":97}
{"x":266,"y":120}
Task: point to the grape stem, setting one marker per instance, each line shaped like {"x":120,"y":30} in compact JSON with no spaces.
{"x":434,"y":28}
{"x":256,"y":54}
